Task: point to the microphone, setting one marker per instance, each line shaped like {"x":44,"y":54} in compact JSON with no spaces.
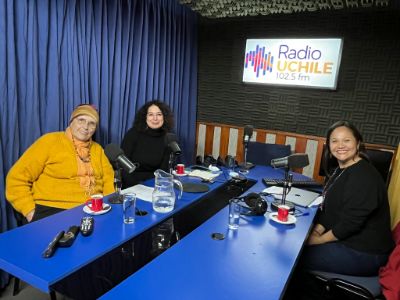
{"x":248,"y":132}
{"x":172,"y":143}
{"x":115,"y":154}
{"x":296,"y":160}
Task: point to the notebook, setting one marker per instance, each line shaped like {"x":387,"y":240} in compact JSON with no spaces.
{"x":297,"y":196}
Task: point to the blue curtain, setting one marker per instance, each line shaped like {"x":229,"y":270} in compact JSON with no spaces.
{"x":117,"y":55}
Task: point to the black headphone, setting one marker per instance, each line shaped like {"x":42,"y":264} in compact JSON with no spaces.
{"x":257,"y":206}
{"x":209,"y":160}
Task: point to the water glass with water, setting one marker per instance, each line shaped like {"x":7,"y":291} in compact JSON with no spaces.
{"x":129,"y":207}
{"x":234,"y":214}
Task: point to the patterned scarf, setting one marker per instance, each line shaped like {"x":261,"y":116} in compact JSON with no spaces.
{"x":85,"y":170}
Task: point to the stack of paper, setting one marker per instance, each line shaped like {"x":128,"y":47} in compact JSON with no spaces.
{"x":206,"y":175}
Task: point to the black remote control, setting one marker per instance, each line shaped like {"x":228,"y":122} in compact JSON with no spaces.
{"x":69,"y":237}
{"x":87,"y":224}
{"x":52,"y":247}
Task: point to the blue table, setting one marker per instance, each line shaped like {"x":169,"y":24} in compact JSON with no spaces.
{"x":254,"y":262}
{"x":21,"y":248}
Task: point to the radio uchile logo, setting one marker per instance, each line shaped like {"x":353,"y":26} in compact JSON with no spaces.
{"x":260,"y":61}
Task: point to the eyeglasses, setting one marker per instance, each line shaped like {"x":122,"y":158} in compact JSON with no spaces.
{"x":156,"y":115}
{"x":82,"y":122}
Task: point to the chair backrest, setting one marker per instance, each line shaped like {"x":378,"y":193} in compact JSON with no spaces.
{"x":348,"y":287}
{"x":262,"y":153}
{"x":382,"y":161}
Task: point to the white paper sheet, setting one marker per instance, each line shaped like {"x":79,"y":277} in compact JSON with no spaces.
{"x":204,"y":174}
{"x":142,"y":192}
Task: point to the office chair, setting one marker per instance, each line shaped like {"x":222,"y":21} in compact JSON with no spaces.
{"x":382,"y":161}
{"x":340,"y":286}
{"x":262,"y":153}
{"x":344,"y":287}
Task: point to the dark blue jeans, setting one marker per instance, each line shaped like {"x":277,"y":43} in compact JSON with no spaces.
{"x":337,"y":258}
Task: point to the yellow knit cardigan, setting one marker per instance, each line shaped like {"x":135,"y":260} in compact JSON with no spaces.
{"x":46,"y":174}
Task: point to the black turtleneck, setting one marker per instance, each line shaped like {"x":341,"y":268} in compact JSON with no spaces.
{"x":149,"y":149}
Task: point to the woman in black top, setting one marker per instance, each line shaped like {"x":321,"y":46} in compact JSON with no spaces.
{"x":145,"y":143}
{"x":352,"y":233}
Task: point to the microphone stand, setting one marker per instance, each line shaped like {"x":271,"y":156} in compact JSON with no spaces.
{"x":244,"y":168}
{"x":117,"y":198}
{"x":287,"y":185}
{"x":171,"y":162}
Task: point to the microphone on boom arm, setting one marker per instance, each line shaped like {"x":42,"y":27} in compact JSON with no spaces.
{"x":296,"y":160}
{"x":172,"y":143}
{"x":118,"y":158}
{"x":116,"y":155}
{"x":248,"y":133}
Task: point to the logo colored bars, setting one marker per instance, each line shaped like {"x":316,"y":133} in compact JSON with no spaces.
{"x":259,"y":60}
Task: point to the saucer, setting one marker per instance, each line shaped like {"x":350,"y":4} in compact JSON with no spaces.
{"x":106,"y":208}
{"x":274,"y":217}
{"x":176,"y":174}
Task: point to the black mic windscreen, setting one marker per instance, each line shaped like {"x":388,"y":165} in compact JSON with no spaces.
{"x":172,"y":143}
{"x":170,"y":137}
{"x":248,"y":130}
{"x":112,"y":152}
{"x":298,"y":160}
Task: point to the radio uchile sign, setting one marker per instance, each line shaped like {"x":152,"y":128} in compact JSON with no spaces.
{"x":296,"y":62}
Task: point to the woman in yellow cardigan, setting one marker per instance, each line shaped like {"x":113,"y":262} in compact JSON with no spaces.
{"x":61,"y":169}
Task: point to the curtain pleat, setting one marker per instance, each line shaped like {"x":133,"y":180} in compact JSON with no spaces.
{"x":115,"y":54}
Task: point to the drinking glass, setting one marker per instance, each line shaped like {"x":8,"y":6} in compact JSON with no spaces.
{"x":129,"y":207}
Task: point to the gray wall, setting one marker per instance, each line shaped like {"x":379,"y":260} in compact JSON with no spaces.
{"x":368,"y":90}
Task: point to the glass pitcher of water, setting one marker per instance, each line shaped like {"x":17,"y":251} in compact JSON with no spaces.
{"x":164,"y":195}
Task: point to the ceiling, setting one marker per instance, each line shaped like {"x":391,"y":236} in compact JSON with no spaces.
{"x":237,"y":8}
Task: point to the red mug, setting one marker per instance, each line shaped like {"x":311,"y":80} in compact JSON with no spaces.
{"x":95,"y":203}
{"x":180,"y":169}
{"x":283,"y":213}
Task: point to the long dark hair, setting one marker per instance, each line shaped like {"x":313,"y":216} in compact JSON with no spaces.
{"x":141,"y":115}
{"x":329,"y":163}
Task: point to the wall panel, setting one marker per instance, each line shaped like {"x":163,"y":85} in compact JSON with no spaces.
{"x":368,"y":91}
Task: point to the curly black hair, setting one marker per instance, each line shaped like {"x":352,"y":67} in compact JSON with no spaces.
{"x":328,"y":162}
{"x":140,"y":119}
